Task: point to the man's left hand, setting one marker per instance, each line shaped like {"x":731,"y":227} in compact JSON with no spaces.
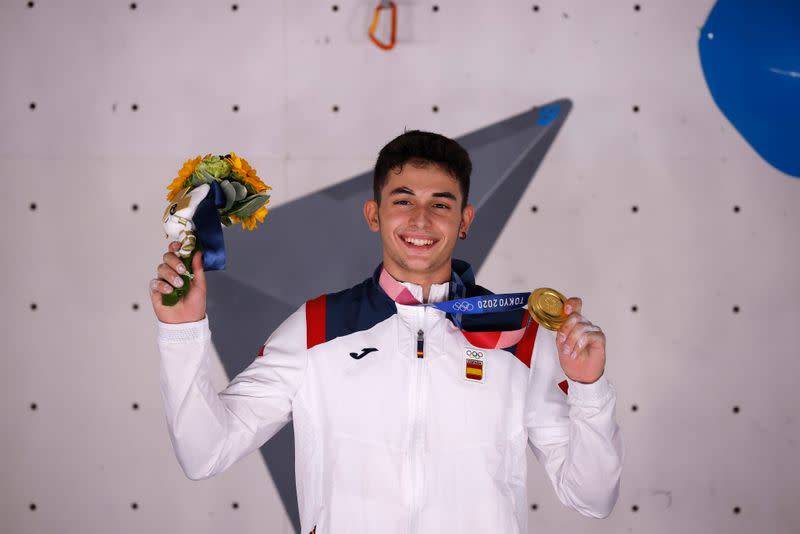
{"x":581,"y":345}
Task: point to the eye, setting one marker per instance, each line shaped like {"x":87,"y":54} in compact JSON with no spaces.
{"x":441,"y":205}
{"x":401,"y":202}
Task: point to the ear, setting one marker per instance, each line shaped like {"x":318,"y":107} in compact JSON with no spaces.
{"x":467,"y":216}
{"x":371,"y":215}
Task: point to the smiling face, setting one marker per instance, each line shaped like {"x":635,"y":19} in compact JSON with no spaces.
{"x":419,"y":218}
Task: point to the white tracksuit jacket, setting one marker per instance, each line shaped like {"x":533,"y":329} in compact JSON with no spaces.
{"x":390,"y":442}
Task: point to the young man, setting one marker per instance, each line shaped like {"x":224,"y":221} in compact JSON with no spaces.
{"x":406,"y":419}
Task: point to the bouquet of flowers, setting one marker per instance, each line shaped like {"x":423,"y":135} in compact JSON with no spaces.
{"x":208,"y":192}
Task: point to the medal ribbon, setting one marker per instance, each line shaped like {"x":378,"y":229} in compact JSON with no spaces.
{"x":466,"y":306}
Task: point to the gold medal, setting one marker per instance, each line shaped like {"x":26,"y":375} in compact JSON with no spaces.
{"x":546,"y":306}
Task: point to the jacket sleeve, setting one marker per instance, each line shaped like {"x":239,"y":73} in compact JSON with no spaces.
{"x":211,"y":431}
{"x":575,"y":436}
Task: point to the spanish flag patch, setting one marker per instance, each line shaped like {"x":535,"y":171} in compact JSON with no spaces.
{"x":474,"y":364}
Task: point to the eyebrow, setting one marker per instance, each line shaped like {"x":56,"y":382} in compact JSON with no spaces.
{"x":407,"y":191}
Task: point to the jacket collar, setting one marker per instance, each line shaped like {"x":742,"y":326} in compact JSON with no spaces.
{"x":461,"y":276}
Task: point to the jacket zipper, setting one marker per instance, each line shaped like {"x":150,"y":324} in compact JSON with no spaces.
{"x":416,"y":444}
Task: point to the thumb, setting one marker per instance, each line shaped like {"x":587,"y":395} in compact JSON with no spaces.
{"x":197,"y":268}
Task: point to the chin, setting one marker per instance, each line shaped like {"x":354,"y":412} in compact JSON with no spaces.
{"x":420,"y":265}
{"x":423,"y":264}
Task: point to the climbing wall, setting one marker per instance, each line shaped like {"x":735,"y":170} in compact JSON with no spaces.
{"x":679,"y":238}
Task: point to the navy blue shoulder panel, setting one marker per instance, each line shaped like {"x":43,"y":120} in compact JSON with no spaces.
{"x":356,"y":309}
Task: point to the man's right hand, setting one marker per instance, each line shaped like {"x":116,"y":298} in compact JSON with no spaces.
{"x":192,"y":307}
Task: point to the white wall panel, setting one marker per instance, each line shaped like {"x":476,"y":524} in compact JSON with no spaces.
{"x":684,"y":258}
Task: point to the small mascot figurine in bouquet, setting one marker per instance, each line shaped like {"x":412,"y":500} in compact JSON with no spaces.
{"x":208,"y":192}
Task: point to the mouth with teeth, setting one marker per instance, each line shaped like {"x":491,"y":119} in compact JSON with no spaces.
{"x":419,"y":243}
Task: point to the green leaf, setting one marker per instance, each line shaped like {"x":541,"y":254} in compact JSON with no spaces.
{"x":249,"y":206}
{"x":230,"y":194}
{"x":241,"y":190}
{"x":208,"y":177}
{"x":196,"y":179}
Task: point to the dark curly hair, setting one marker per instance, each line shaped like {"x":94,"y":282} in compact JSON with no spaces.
{"x":420,"y":149}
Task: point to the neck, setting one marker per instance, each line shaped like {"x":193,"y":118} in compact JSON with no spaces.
{"x":424,"y":279}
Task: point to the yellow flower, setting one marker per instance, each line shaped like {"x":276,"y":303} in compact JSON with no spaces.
{"x":249,"y":223}
{"x":248,"y":174}
{"x":180,"y":181}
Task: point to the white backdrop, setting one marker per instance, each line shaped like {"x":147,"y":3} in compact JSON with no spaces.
{"x":712,"y":443}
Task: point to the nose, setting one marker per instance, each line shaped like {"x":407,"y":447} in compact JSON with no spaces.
{"x":420,"y":216}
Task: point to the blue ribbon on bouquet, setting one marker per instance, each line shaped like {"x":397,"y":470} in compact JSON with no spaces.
{"x":209,"y":230}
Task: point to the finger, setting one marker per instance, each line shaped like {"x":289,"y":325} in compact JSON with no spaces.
{"x":573,"y":304}
{"x":168,"y":275}
{"x":572,"y":336}
{"x":590,"y":335}
{"x":572,"y":339}
{"x":197,"y":268}
{"x":568,"y":325}
{"x":158,"y":287}
{"x":173,"y":260}
{"x":174,"y":246}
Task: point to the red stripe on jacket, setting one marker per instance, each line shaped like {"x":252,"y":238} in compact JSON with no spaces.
{"x":525,"y":346}
{"x":482,"y":340}
{"x":315,"y":321}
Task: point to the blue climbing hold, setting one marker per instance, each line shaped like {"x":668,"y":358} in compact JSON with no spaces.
{"x":750,"y":54}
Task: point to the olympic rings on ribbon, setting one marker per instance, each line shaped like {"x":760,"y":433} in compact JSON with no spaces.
{"x":463,"y":306}
{"x":474,"y":353}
